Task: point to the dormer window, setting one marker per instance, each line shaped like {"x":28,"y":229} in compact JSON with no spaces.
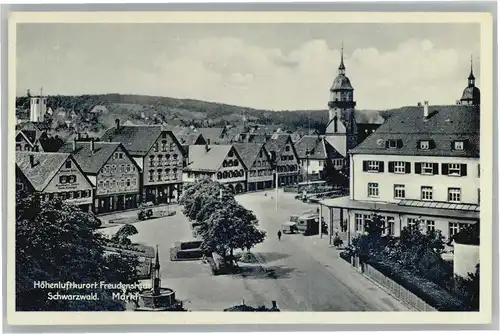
{"x":458,"y":145}
{"x":424,"y":145}
{"x":394,"y":143}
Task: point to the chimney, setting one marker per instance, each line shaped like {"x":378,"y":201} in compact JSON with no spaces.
{"x":117,"y":122}
{"x":206,"y":147}
{"x":74,"y":144}
{"x":275,"y":306}
{"x":32,"y":160}
{"x":426,"y":109}
{"x":92,"y":145}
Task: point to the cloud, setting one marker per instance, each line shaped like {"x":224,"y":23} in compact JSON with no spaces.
{"x":230,"y":70}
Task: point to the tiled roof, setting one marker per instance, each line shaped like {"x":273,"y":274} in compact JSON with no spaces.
{"x":137,"y":139}
{"x":211,"y":133}
{"x":341,"y":82}
{"x":189,"y":139}
{"x":46,"y":166}
{"x":88,"y":161}
{"x":331,"y":151}
{"x":318,"y":147}
{"x":248,"y":152}
{"x":444,"y":125}
{"x":471,"y":93}
{"x":339,"y":143}
{"x":31,"y":135}
{"x":277,"y":143}
{"x":201,"y":159}
{"x":313,"y":144}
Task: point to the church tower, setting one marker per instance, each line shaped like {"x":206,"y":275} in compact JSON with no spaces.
{"x":341,"y":121}
{"x":38,"y":107}
{"x":471,"y":94}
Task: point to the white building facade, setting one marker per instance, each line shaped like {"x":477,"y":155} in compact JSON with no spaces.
{"x":421,"y":168}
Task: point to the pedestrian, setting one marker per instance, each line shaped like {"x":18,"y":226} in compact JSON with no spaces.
{"x":279,"y":235}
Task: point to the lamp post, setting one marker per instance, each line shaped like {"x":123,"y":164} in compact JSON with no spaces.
{"x":307,"y":166}
{"x":277,"y":184}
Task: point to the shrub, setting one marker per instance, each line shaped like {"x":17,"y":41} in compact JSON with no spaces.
{"x":429,"y":292}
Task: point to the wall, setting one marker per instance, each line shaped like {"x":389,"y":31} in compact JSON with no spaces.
{"x":116,"y":173}
{"x":359,"y":187}
{"x":165,"y":156}
{"x":71,"y":181}
{"x":465,"y":259}
{"x":193,"y":176}
{"x":228,"y":166}
{"x":287,"y":161}
{"x":38,"y":109}
{"x":22,"y":144}
{"x":263,"y":166}
{"x":401,"y":221}
{"x":315,"y":166}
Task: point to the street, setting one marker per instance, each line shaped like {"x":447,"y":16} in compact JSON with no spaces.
{"x":310,"y":275}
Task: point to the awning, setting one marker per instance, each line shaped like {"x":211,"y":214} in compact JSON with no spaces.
{"x":347,"y":203}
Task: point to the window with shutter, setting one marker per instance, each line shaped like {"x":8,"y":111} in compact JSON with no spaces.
{"x":418,"y":168}
{"x":365,"y":166}
{"x":463,"y":170}
{"x":408,"y":168}
{"x":435,"y":168}
{"x":444,"y":169}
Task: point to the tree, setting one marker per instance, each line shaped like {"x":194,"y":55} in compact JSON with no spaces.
{"x":469,"y":288}
{"x":200,"y":199}
{"x":122,"y":236}
{"x":468,"y":235}
{"x":223,"y":224}
{"x":57,"y":242}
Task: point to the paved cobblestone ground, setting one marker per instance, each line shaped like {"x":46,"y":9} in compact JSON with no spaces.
{"x":310,"y":275}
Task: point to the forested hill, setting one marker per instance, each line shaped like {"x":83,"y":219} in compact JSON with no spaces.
{"x":180,"y":111}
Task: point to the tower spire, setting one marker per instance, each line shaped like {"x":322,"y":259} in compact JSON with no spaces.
{"x":471,"y":75}
{"x":342,"y":66}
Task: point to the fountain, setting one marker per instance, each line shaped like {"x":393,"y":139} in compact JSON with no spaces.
{"x":158,"y":298}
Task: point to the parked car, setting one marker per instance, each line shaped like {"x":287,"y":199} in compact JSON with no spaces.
{"x":145,"y":214}
{"x":289,"y":227}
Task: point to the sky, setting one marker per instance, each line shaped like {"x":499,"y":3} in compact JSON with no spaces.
{"x":265,"y":66}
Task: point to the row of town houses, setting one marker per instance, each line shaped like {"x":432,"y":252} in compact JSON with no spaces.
{"x":131,"y":164}
{"x":420,"y":165}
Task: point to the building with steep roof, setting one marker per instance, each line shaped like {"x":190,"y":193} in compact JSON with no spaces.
{"x":221,"y":163}
{"x":316,"y":155}
{"x":160,"y":157}
{"x":420,"y":168}
{"x":285,"y":158}
{"x":260,"y":171}
{"x":188,"y":139}
{"x":54,"y":175}
{"x":213,"y":135}
{"x":111,"y":169}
